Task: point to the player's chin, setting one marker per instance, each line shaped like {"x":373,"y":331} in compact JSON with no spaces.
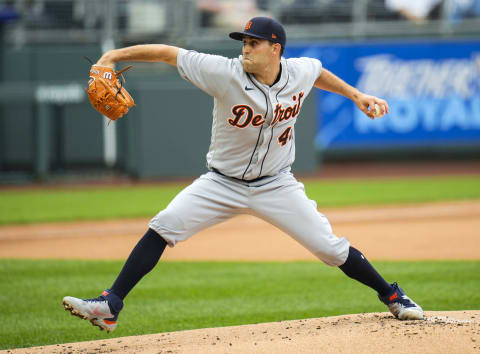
{"x":247,"y":66}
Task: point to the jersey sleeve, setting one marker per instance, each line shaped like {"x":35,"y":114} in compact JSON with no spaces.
{"x":210,"y":73}
{"x":314,"y":67}
{"x":309,"y":68}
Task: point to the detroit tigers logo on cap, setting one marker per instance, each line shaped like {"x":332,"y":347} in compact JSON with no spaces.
{"x":263,"y":28}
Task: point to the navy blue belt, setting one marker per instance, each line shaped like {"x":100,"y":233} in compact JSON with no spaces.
{"x":239,"y":179}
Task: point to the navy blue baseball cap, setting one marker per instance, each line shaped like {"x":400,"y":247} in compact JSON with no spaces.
{"x":263,"y":28}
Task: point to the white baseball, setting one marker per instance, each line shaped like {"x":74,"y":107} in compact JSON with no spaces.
{"x":377,"y":111}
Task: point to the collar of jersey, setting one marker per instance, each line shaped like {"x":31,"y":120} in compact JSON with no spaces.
{"x":280,"y":83}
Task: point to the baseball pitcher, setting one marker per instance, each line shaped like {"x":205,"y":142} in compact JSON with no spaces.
{"x":258,"y":98}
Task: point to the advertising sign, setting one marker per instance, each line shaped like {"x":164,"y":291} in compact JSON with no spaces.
{"x":432,"y":87}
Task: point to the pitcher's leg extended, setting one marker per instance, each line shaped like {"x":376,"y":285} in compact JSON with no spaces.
{"x":287,"y":207}
{"x":204,"y":203}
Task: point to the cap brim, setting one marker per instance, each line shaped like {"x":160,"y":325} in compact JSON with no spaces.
{"x":238,"y":36}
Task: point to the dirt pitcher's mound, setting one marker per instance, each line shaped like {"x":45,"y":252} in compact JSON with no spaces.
{"x":440,"y":332}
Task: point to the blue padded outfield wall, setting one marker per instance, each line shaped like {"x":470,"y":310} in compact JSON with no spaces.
{"x":432,"y":87}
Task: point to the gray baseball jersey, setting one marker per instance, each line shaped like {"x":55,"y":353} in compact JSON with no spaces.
{"x":251,"y":151}
{"x":253,"y":124}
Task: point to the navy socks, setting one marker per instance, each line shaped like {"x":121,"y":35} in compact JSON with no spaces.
{"x":359,"y":268}
{"x":148,"y":250}
{"x":143,"y":258}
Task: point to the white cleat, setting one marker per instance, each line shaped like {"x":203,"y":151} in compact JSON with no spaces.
{"x":98,"y":311}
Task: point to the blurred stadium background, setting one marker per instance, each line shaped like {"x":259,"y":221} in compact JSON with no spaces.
{"x":422,"y":55}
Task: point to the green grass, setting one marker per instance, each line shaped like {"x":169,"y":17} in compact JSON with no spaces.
{"x":186,"y":295}
{"x":64,"y":204}
{"x":390,"y":191}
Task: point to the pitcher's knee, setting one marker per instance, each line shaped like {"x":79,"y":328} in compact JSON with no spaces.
{"x":334,"y":253}
{"x":170,"y":226}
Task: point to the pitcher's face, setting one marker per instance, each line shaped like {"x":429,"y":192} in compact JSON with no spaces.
{"x":257,"y":54}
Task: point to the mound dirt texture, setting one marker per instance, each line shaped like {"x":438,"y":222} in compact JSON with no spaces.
{"x":440,"y":332}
